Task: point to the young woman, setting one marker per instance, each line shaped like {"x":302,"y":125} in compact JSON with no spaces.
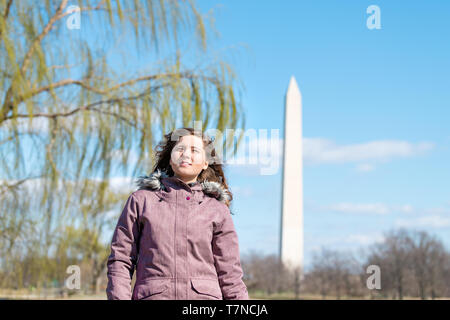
{"x":177,"y":229}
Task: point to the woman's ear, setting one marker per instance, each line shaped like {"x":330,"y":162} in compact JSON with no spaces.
{"x":205,"y":166}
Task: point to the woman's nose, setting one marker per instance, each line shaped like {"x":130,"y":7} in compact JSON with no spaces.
{"x":186,"y":155}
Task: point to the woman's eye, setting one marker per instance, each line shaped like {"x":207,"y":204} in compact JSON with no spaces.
{"x":183,"y":148}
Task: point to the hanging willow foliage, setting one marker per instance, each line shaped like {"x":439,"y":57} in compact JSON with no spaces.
{"x":70,"y":117}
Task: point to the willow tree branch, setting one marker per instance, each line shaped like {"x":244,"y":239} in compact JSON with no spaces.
{"x":81,"y":83}
{"x":8,"y":6}
{"x":92,"y":106}
{"x":7,"y":104}
{"x":59,"y":14}
{"x":45,"y":31}
{"x":6,"y":13}
{"x":5,"y":187}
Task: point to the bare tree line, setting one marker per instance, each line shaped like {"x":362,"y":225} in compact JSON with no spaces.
{"x":413,"y":264}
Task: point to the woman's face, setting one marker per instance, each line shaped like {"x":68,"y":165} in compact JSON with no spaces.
{"x":188,"y":158}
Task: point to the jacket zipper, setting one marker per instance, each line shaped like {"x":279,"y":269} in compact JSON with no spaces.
{"x":175,"y":245}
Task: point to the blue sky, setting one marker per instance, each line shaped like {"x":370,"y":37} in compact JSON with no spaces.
{"x":376,"y":114}
{"x":375,"y":109}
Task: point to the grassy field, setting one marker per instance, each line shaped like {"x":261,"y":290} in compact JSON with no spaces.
{"x":6,"y":294}
{"x":259,"y":295}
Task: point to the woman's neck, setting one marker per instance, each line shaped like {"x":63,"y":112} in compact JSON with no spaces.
{"x":187,"y":181}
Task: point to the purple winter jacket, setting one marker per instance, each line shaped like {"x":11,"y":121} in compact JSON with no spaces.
{"x":182,"y":241}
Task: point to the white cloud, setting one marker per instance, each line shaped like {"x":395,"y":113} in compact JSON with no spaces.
{"x":365,"y":167}
{"x":41,"y":125}
{"x":436,"y":211}
{"x":37,"y":125}
{"x":31,"y":184}
{"x":117,"y":184}
{"x":347,"y":207}
{"x":366,"y":208}
{"x":122,"y":184}
{"x":364,"y":239}
{"x":318,"y":150}
{"x":243,"y":191}
{"x":338,"y":240}
{"x":433,"y":221}
{"x":406,"y":208}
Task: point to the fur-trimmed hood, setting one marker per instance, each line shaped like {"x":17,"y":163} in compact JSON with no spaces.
{"x":211,"y":188}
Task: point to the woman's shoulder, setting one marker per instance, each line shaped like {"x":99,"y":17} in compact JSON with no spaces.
{"x":220,"y":208}
{"x":144,"y":195}
{"x":149,"y":185}
{"x":151,"y":182}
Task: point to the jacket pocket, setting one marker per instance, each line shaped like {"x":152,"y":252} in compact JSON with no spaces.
{"x":152,"y":289}
{"x":206,"y":289}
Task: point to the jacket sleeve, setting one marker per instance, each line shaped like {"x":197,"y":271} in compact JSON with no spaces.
{"x":226,"y":258}
{"x":124,"y":252}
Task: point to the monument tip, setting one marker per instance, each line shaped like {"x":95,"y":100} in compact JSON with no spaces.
{"x":293,"y":87}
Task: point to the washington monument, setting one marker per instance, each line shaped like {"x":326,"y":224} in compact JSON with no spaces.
{"x":291,"y":242}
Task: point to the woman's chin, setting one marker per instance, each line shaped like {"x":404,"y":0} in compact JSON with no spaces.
{"x":186,"y":171}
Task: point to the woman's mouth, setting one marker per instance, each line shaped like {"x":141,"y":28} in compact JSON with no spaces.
{"x":185,"y":164}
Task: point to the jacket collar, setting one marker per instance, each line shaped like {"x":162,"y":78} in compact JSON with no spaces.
{"x":160,"y":180}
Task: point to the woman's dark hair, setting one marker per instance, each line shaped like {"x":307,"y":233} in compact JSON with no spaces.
{"x":214,"y":172}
